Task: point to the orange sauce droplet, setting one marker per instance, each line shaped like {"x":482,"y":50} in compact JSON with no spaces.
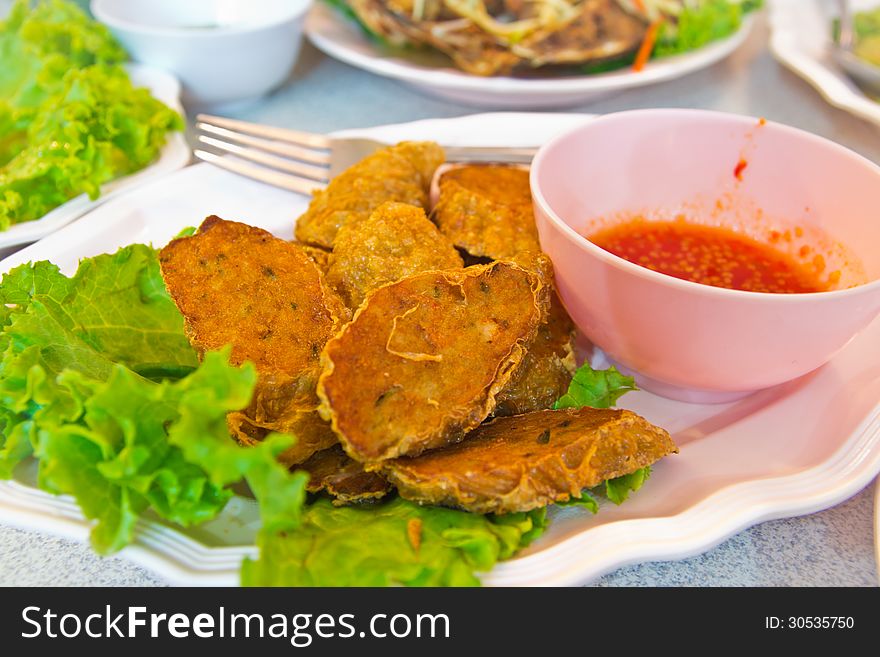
{"x":712,"y":256}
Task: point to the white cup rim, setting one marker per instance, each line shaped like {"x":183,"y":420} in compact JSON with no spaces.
{"x":99,"y":9}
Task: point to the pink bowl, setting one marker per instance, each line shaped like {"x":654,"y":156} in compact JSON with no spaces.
{"x":682,"y":339}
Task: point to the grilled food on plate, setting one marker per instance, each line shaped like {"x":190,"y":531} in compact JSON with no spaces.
{"x":500,"y":37}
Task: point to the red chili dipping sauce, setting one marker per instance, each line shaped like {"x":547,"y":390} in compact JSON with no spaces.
{"x":712,"y":256}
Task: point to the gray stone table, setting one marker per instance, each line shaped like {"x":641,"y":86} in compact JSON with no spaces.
{"x":831,"y":548}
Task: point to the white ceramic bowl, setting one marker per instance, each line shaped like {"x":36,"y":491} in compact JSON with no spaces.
{"x":222,"y":50}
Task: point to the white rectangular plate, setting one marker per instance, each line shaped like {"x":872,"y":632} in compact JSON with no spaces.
{"x":791,"y":450}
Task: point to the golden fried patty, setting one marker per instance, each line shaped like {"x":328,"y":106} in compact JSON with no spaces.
{"x":547,"y":368}
{"x":333,"y":471}
{"x":396,"y":241}
{"x":486,"y":210}
{"x":528,"y":461}
{"x":424,"y":358}
{"x":399,"y":173}
{"x":241,"y":286}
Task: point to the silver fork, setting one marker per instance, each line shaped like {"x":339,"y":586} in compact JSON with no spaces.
{"x":304,"y":162}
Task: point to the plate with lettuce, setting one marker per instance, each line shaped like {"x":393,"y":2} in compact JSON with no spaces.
{"x":490,"y":57}
{"x":112,"y":431}
{"x":78,"y":123}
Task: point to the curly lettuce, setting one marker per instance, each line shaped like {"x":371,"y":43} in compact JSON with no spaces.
{"x":596,"y":388}
{"x":70,"y":119}
{"x":393,"y":543}
{"x":701,"y":23}
{"x":99,"y":383}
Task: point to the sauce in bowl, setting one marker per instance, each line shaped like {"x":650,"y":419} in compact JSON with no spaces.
{"x":713,"y":256}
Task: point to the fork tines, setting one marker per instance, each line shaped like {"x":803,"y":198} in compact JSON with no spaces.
{"x":291,"y":159}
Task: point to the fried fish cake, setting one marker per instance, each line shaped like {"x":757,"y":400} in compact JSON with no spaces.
{"x":528,"y":461}
{"x":241,"y":286}
{"x":399,"y":173}
{"x":547,"y":368}
{"x":321,"y":257}
{"x":423,"y":359}
{"x":332,"y":470}
{"x":396,"y":241}
{"x":550,"y":363}
{"x":487,"y":210}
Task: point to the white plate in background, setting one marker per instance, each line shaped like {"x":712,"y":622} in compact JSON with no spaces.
{"x":433,"y":73}
{"x":174,"y":155}
{"x":801,"y":40}
{"x":795,"y":449}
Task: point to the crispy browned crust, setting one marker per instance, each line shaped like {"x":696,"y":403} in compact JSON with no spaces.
{"x":286,"y":405}
{"x":319,"y":255}
{"x":487,"y":211}
{"x":333,"y":471}
{"x":547,"y":369}
{"x":396,"y":241}
{"x":550,"y":362}
{"x":423,"y":359}
{"x":399,"y":173}
{"x":528,"y":461}
{"x":241,"y":286}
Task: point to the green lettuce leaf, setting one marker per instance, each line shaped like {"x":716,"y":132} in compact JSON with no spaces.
{"x":596,"y":388}
{"x":76,"y":353}
{"x":115,"y":457}
{"x":618,"y":490}
{"x":70,"y":119}
{"x":395,"y":542}
{"x":115,"y":308}
{"x":700,"y":24}
{"x":585,"y":501}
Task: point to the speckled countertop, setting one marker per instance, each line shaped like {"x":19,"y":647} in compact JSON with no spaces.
{"x":831,"y":548}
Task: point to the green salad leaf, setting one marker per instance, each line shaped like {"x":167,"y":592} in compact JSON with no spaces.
{"x":395,"y":542}
{"x":108,"y":444}
{"x":585,"y":501}
{"x":596,"y":388}
{"x":70,"y":119}
{"x":617,"y":490}
{"x":700,"y":24}
{"x":99,"y":382}
{"x":115,"y":308}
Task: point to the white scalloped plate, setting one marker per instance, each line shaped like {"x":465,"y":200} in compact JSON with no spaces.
{"x":175,"y":155}
{"x":433,"y":73}
{"x":801,"y":39}
{"x":795,"y":449}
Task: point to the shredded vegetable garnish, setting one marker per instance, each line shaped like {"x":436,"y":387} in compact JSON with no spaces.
{"x":647,"y":46}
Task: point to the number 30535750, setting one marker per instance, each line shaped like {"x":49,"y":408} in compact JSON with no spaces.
{"x":809,"y":622}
